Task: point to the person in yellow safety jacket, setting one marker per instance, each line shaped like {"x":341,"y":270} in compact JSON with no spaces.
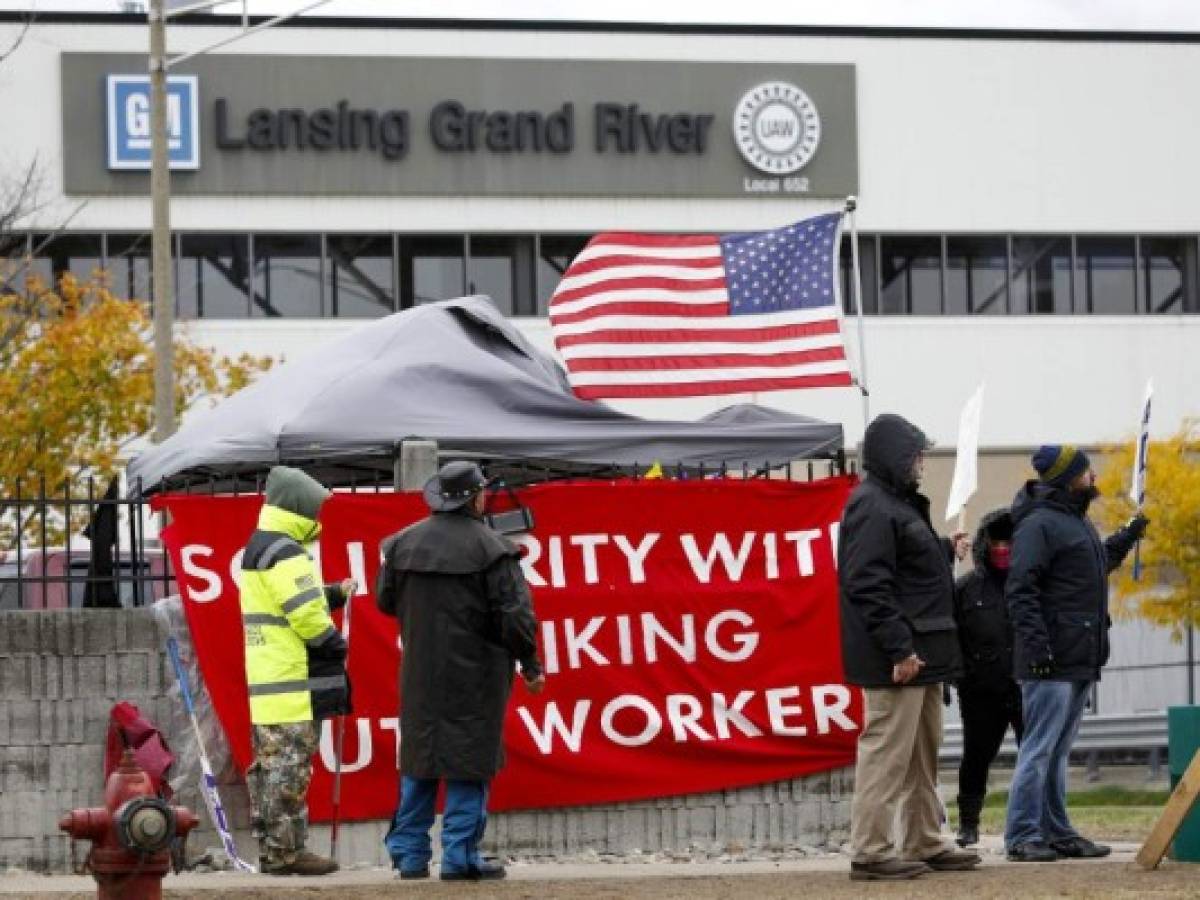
{"x":295,"y":667}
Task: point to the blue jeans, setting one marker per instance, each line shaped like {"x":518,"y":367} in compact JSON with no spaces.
{"x":463,"y":822}
{"x":1037,"y":801}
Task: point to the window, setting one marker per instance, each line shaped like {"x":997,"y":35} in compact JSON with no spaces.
{"x":502,"y":268}
{"x":128,"y":261}
{"x":976,"y":275}
{"x":1041,"y":275}
{"x":911,"y":275}
{"x":1104,"y":276}
{"x":53,"y":255}
{"x":287,"y":275}
{"x":431,"y":268}
{"x":555,"y":253}
{"x":1163,"y":264}
{"x":214,"y":276}
{"x":358,"y":276}
{"x":866,"y":262}
{"x":361,"y":275}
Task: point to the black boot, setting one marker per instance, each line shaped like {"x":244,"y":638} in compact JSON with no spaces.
{"x":968,"y":820}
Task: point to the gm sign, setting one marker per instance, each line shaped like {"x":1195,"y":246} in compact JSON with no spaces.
{"x":129,"y":121}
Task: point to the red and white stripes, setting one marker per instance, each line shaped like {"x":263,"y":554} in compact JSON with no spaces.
{"x":639,"y":315}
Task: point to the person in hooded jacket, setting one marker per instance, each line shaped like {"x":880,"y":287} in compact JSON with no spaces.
{"x":988,"y":695}
{"x":466,"y":619}
{"x":295,"y":667}
{"x":900,"y":645}
{"x":1057,"y":593}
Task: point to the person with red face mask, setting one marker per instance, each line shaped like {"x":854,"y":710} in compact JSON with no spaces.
{"x":989,"y":697}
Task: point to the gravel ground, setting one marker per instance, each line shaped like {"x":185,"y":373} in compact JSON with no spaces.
{"x":822,"y":877}
{"x":1120,"y":880}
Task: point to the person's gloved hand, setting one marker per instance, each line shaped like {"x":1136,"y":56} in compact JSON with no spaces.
{"x":947,"y":697}
{"x":1042,"y":665}
{"x":1137,"y":526}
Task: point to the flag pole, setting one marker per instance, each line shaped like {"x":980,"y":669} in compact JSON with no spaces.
{"x":1138,"y":490}
{"x":851,"y":206}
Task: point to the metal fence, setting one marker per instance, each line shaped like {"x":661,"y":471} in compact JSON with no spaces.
{"x":77,"y":548}
{"x":91,"y":547}
{"x":1114,"y":737}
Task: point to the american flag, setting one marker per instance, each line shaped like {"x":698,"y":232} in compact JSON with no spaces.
{"x":649,"y":315}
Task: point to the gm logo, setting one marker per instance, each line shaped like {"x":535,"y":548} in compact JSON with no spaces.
{"x":129,"y":121}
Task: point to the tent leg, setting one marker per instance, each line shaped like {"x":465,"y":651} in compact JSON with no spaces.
{"x":415,"y":465}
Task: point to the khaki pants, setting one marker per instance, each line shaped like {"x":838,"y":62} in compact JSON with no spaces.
{"x":897,"y":772}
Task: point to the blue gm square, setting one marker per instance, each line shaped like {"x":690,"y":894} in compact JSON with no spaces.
{"x":128,"y":106}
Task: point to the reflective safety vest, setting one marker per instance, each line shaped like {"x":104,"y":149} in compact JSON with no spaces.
{"x":284,"y":614}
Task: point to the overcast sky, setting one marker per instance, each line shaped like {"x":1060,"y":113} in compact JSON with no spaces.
{"x":1120,"y":15}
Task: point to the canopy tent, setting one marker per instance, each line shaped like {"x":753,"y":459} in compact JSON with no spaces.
{"x":458,"y":373}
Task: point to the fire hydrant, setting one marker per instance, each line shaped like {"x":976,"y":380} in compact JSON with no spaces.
{"x":131,"y":835}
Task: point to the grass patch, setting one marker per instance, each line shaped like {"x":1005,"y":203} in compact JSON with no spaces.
{"x":1113,"y":823}
{"x":1109,"y":795}
{"x":1103,"y":813}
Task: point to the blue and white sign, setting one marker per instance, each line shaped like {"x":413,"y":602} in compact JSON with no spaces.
{"x":129,"y":121}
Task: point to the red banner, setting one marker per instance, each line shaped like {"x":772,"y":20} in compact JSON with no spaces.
{"x":689,"y":631}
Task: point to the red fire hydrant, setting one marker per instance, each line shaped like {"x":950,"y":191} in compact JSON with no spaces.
{"x":131,"y":835}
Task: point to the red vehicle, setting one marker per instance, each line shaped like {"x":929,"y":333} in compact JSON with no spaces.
{"x":57,"y":578}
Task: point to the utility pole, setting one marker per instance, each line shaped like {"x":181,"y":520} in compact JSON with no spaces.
{"x":160,"y":198}
{"x":160,"y":190}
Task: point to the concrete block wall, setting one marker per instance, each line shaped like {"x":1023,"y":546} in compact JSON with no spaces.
{"x":787,"y":815}
{"x":61,"y":672}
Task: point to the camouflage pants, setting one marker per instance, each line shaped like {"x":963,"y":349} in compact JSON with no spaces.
{"x":278,"y":782}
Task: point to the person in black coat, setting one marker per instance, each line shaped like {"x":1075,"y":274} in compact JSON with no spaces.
{"x":1057,"y":593}
{"x":899,"y":644}
{"x":988,"y":697}
{"x":466,"y":619}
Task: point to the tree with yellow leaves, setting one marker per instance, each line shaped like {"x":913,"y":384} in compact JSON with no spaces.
{"x":1169,"y":591}
{"x":77,"y":384}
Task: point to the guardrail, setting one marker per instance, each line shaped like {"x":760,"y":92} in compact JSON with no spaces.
{"x":1135,"y":731}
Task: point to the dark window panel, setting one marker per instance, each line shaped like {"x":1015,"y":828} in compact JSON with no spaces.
{"x":361,"y":275}
{"x":911,"y":275}
{"x":1164,"y":262}
{"x":14,"y":248}
{"x":287,"y":275}
{"x":555,"y":253}
{"x":1104,"y":276}
{"x":53,"y":255}
{"x":976,"y":275}
{"x":13,"y":245}
{"x":431,"y":268}
{"x":1041,"y":275}
{"x":866,"y":262}
{"x":128,"y":264}
{"x":501,"y":266}
{"x":213,"y":272}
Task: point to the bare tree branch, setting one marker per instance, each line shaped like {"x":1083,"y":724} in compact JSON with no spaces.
{"x":20,"y":38}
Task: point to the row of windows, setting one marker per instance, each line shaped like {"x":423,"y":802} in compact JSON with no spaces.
{"x":1024,"y":274}
{"x":229,"y":276}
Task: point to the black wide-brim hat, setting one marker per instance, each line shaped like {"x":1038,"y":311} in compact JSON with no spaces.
{"x":454,"y":485}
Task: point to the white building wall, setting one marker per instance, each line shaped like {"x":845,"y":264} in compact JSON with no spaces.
{"x":954,"y":134}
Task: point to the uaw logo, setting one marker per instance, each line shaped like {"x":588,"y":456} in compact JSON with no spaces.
{"x":777,"y":128}
{"x":129,"y":122}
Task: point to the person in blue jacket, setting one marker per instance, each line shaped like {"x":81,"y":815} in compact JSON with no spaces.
{"x":1057,"y":593}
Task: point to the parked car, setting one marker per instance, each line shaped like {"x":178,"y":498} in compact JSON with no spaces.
{"x":57,"y":578}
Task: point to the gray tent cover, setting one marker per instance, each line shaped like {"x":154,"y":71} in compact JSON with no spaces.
{"x":456,"y":372}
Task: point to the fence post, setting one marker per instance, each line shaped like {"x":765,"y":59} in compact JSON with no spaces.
{"x":416,"y":464}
